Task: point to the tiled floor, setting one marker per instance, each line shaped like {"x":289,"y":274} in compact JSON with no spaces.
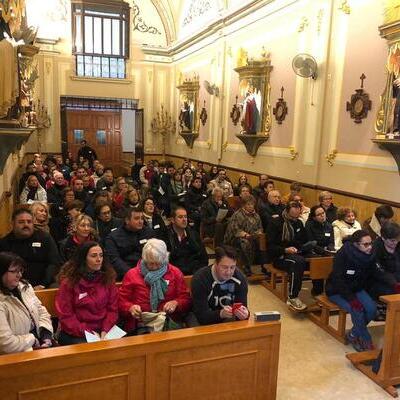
{"x":312,"y":364}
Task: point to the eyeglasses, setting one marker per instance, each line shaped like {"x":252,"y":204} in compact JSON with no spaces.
{"x":365,"y":244}
{"x":16,"y":271}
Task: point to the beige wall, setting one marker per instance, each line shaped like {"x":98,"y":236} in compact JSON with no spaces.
{"x":346,"y":43}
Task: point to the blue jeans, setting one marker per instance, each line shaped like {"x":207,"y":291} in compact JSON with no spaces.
{"x":360,"y":319}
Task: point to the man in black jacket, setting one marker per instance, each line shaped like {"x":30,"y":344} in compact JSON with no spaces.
{"x":124,"y":245}
{"x":286,"y":237}
{"x":37,"y":248}
{"x":87,"y":153}
{"x":187,"y":252}
{"x":271,"y":209}
{"x":219,"y":292}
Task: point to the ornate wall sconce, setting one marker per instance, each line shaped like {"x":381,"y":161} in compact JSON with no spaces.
{"x":331,"y":157}
{"x":293,"y":153}
{"x":203,"y":114}
{"x":359,"y":104}
{"x":163,"y":125}
{"x":235,"y":113}
{"x":280,"y":111}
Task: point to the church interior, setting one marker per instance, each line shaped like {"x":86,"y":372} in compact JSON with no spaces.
{"x":300,"y":90}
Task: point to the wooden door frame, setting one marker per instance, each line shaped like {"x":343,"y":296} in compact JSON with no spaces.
{"x":97,"y":103}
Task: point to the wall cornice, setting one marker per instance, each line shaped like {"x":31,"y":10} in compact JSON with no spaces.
{"x":216,"y":29}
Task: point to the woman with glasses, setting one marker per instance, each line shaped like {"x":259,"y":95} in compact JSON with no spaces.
{"x":24,"y":321}
{"x":387,"y":253}
{"x":326,"y":202}
{"x":319,"y":229}
{"x":105,"y":222}
{"x":354,"y":267}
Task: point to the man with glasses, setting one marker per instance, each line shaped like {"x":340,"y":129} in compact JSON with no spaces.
{"x":36,"y":248}
{"x":270,"y":209}
{"x":220,"y":292}
{"x":326,"y":202}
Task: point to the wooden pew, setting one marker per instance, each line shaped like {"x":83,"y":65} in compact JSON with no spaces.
{"x":388,"y":375}
{"x":322,"y":314}
{"x":48,"y":296}
{"x":236,"y":360}
{"x":320,"y":268}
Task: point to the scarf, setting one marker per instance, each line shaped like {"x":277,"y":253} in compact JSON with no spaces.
{"x":92,"y":275}
{"x":158,"y":286}
{"x":287,"y":231}
{"x":31,"y":194}
{"x":356,"y":255}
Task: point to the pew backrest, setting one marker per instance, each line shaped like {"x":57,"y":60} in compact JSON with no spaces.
{"x":48,"y":296}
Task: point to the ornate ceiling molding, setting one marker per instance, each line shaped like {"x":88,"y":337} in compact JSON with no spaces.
{"x":139,"y":24}
{"x":167,"y":20}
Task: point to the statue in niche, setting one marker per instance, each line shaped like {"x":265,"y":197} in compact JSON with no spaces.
{"x":396,"y":107}
{"x":186,"y":115}
{"x":251,"y":116}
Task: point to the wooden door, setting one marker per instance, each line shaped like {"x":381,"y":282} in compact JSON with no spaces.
{"x":101,"y":130}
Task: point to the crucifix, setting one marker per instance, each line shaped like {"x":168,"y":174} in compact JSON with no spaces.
{"x":362,"y":78}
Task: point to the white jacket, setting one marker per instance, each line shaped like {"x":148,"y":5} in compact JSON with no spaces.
{"x":16,"y":320}
{"x":41,"y":195}
{"x":341,"y":230}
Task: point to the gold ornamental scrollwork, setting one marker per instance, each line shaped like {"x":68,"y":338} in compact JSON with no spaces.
{"x":303,"y":24}
{"x":345,"y":7}
{"x":293,"y":153}
{"x":331,"y":157}
{"x":225,"y":146}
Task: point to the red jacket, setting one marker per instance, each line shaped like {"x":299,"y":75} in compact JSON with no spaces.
{"x":134,"y":290}
{"x":89,"y":305}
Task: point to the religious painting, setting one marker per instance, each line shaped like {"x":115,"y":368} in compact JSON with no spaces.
{"x":189,"y":99}
{"x":254,"y":96}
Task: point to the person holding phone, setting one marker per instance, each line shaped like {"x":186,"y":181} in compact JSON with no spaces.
{"x":219,"y":291}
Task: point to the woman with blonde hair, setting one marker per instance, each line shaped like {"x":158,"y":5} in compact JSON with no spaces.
{"x":82,"y":231}
{"x":118,"y":193}
{"x":40,"y":213}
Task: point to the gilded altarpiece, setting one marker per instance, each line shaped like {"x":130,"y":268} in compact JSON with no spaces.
{"x":387,"y":124}
{"x":189,"y":119}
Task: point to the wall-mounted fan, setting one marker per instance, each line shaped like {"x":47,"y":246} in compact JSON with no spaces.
{"x":305,"y":66}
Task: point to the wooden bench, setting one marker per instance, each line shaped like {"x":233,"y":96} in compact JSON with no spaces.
{"x":388,"y":375}
{"x":191,"y":363}
{"x":320,"y":268}
{"x":48,"y":296}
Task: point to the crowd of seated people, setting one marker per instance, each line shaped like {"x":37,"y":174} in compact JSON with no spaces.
{"x":91,"y":229}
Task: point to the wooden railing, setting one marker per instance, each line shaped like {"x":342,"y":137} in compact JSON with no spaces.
{"x":235,"y":360}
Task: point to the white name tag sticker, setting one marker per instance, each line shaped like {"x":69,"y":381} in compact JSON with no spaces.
{"x":113,"y":229}
{"x":143,"y":241}
{"x":350,"y":272}
{"x":104,"y":188}
{"x":36,"y":244}
{"x":82,"y":295}
{"x":298,"y":230}
{"x":204,"y":195}
{"x":156,"y":227}
{"x":327,"y":234}
{"x":60,"y":208}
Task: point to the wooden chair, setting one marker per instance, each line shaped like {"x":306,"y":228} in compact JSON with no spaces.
{"x":388,"y":375}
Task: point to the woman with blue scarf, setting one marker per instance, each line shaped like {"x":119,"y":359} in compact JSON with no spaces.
{"x":154,"y":285}
{"x":354,"y":267}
